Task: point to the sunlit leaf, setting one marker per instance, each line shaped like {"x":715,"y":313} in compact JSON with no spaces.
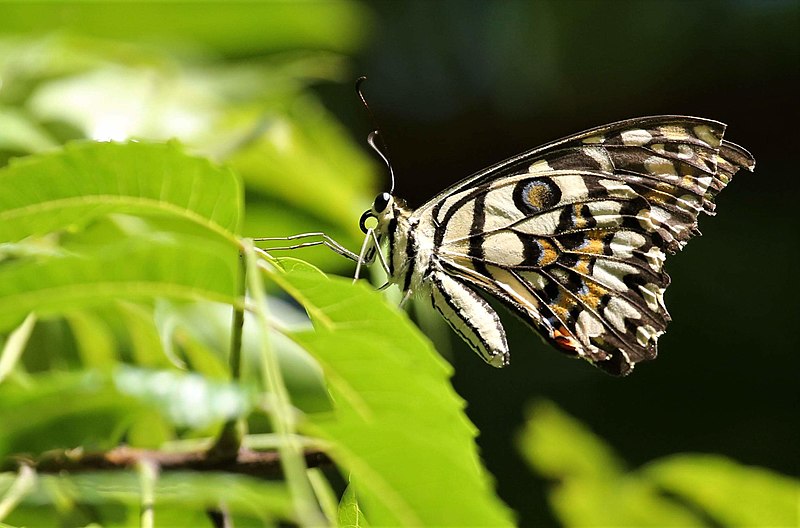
{"x":43,"y":193}
{"x":133,"y":268}
{"x":350,"y":514}
{"x":187,"y":399}
{"x":117,"y":103}
{"x":398,"y":427}
{"x":14,"y":345}
{"x":93,"y":409}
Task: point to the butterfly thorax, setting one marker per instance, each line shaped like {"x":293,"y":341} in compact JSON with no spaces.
{"x":409,"y":244}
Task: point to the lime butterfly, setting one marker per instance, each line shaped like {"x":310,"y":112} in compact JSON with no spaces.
{"x":570,"y":236}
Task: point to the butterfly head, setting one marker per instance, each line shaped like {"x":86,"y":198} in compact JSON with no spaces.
{"x":381,"y":209}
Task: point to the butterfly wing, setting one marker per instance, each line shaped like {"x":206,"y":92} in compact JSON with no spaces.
{"x":572,"y":236}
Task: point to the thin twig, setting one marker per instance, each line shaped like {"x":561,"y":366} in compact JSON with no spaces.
{"x":247,"y":462}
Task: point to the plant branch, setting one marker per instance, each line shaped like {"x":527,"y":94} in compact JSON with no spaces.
{"x":247,"y":462}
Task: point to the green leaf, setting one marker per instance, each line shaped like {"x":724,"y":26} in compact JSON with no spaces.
{"x":145,"y":341}
{"x":44,"y":193}
{"x":593,"y":488}
{"x":84,"y":410}
{"x":187,"y":490}
{"x":149,"y":430}
{"x":18,"y":133}
{"x":731,"y":493}
{"x":237,"y":28}
{"x":201,"y":331}
{"x":305,"y":158}
{"x":398,"y":427}
{"x":93,"y":410}
{"x":14,"y":345}
{"x":350,"y":514}
{"x":179,"y":342}
{"x":96,"y":342}
{"x":134,"y":268}
{"x":187,"y":399}
{"x":558,"y":446}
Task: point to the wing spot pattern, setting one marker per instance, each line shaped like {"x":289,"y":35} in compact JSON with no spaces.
{"x":573,"y":235}
{"x":635,"y":137}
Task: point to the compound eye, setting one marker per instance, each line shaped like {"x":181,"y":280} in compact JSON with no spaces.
{"x":362,"y":223}
{"x":381,"y":202}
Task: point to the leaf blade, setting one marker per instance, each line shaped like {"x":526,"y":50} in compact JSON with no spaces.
{"x":398,"y":426}
{"x":135,"y":268}
{"x":732,"y":493}
{"x":43,"y":193}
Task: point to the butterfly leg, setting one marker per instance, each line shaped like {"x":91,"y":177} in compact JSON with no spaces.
{"x":470,"y":316}
{"x":369,"y":249}
{"x":377,"y":245}
{"x":405,"y":298}
{"x":326,"y":241}
{"x":365,"y":256}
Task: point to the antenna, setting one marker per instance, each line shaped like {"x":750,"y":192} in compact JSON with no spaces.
{"x":381,"y":149}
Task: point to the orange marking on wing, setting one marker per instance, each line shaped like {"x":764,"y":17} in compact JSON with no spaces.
{"x":594,"y":246}
{"x":564,"y":340}
{"x":538,"y":195}
{"x":549,"y":253}
{"x":593,"y":295}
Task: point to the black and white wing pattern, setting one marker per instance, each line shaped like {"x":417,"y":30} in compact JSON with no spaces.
{"x":571,"y":236}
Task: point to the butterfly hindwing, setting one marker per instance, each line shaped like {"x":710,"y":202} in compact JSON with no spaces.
{"x":470,"y":317}
{"x":572,"y":236}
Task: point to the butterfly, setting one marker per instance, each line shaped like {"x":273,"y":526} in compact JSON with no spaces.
{"x":570,"y":236}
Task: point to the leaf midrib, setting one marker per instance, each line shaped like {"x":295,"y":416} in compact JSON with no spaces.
{"x":133,"y":288}
{"x":76,"y":202}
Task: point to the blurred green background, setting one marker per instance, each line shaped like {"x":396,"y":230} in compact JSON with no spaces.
{"x":456,"y":86}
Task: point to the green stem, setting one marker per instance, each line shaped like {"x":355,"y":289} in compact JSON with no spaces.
{"x":281,"y":412}
{"x":21,"y":486}
{"x":230,"y":438}
{"x":237,"y":326}
{"x":327,"y":497}
{"x":15,"y":345}
{"x":148,"y":473}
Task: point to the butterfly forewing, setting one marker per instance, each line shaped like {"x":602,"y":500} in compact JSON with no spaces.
{"x":572,"y":236}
